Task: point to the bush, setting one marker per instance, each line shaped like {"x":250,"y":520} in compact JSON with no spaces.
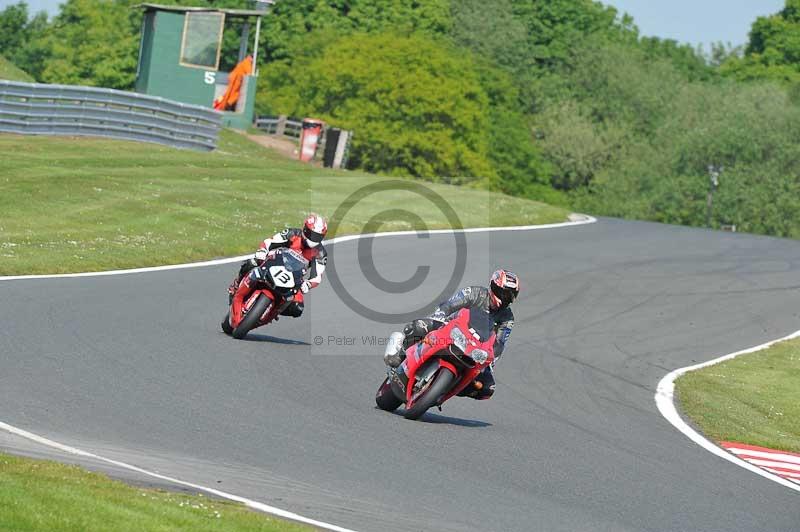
{"x":415,"y":103}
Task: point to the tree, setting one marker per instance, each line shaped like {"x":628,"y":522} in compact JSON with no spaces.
{"x":415,"y":103}
{"x":683,"y":57}
{"x":13,"y":22}
{"x":492,"y":32}
{"x":578,"y":147}
{"x":556,"y":26}
{"x":290,"y":23}
{"x":18,"y":35}
{"x":774,"y":48}
{"x":91,"y":43}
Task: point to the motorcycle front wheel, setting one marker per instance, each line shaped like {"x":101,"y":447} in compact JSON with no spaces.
{"x":226,"y":324}
{"x":253,"y":316}
{"x":441,"y":385}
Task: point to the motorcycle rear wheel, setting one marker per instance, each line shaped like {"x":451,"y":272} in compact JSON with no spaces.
{"x":385,"y":398}
{"x":253,"y":316}
{"x":441,"y":385}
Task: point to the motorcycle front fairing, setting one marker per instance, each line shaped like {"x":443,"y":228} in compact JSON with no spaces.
{"x":281,"y":274}
{"x":438,"y":351}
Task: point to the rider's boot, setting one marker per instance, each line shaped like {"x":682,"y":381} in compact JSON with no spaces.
{"x":232,"y":289}
{"x":244,"y":269}
{"x":394,"y":354}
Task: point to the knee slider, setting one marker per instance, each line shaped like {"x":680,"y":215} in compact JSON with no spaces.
{"x":486,"y":392}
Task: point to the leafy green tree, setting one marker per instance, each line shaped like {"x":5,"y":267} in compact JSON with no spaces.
{"x":556,"y":26}
{"x":686,"y":60}
{"x":415,"y":103}
{"x":18,"y":33}
{"x":577,"y":146}
{"x":13,"y":21}
{"x":722,"y":53}
{"x":747,"y":129}
{"x":290,"y":23}
{"x":774,"y":48}
{"x":91,"y":43}
{"x":513,"y":154}
{"x":492,"y":32}
{"x":618,"y":84}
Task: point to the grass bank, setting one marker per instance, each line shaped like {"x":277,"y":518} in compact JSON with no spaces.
{"x":752,"y":399}
{"x":39,"y":495}
{"x":9,"y":71}
{"x":80,"y":204}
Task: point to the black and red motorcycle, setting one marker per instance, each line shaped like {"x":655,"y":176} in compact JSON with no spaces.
{"x":278,"y":279}
{"x":440,"y":365}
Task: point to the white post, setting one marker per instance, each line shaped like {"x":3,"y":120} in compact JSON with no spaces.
{"x":255,"y":48}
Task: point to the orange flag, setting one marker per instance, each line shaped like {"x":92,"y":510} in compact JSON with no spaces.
{"x":235,"y":78}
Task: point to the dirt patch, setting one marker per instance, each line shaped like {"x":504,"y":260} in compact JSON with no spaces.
{"x":287,"y":147}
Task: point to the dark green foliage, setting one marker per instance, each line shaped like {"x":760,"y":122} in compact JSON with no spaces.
{"x":493,"y":32}
{"x":19,"y":34}
{"x":417,"y":106}
{"x":91,"y":43}
{"x":13,"y":20}
{"x":290,"y":23}
{"x":556,"y":26}
{"x":751,"y":131}
{"x":686,"y":60}
{"x":774,"y":48}
{"x":558,"y":100}
{"x":639,"y":127}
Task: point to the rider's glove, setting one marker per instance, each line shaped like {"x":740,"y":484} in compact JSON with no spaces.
{"x":439,"y":315}
{"x":305,"y":287}
{"x":261,"y":255}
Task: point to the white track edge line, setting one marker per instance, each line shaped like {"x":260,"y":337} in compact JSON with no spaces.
{"x":585,"y":219}
{"x":665,"y":401}
{"x":247,"y":502}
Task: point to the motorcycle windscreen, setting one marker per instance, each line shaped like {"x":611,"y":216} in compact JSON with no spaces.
{"x":286,"y":271}
{"x":482,"y":324}
{"x":294,"y":262}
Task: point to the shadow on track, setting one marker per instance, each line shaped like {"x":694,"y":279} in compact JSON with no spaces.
{"x":439,"y":419}
{"x":252,"y":337}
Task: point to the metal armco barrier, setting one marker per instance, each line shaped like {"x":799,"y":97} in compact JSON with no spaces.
{"x":280,"y":125}
{"x":42,"y":109}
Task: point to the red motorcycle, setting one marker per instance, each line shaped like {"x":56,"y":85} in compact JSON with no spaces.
{"x":278,"y":279}
{"x":441,"y":365}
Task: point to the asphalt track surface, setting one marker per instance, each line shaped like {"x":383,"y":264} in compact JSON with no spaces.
{"x":134,"y":368}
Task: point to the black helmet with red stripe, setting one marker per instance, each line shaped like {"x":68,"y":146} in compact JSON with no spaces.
{"x":314,"y":230}
{"x":503,"y":288}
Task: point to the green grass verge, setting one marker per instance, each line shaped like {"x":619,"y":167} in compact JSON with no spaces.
{"x":80,"y":204}
{"x":43,"y":496}
{"x":752,"y":399}
{"x":9,"y":71}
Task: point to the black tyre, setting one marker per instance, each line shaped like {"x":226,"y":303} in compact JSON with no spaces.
{"x":226,"y":324}
{"x":251,"y":319}
{"x":441,"y":385}
{"x":385,"y":398}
